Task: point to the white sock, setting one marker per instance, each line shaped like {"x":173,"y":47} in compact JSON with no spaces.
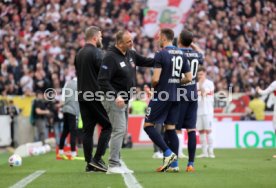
{"x":210,"y":142}
{"x":203,"y":142}
{"x":60,"y":152}
{"x":73,"y":153}
{"x":181,"y":143}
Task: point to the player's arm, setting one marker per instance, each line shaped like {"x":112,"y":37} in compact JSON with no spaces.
{"x":107,"y":70}
{"x":157,"y":69}
{"x":197,"y":48}
{"x":63,"y":93}
{"x":209,"y":90}
{"x":188,"y":77}
{"x":271,"y":88}
{"x":156,"y":76}
{"x":143,"y":61}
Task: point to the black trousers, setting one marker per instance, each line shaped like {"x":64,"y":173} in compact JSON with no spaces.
{"x":69,"y":126}
{"x":93,"y":112}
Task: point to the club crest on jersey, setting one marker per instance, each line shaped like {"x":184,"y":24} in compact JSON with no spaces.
{"x":122,"y":64}
{"x":131,"y":62}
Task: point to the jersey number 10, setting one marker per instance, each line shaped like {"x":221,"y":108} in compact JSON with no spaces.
{"x":193,"y":66}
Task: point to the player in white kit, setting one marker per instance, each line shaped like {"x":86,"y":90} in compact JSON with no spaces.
{"x":205,"y":113}
{"x":271,"y":88}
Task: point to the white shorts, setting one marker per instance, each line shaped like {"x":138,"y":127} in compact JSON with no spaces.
{"x":204,"y":122}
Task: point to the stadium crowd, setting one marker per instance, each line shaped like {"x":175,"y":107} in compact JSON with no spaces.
{"x":39,"y":40}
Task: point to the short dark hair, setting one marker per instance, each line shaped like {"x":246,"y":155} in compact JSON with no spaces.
{"x":119,"y":36}
{"x":201,"y":68}
{"x":186,"y":37}
{"x":91,"y":31}
{"x":169,"y":34}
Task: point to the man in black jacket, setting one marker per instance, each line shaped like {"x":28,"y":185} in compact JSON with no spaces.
{"x":88,"y":62}
{"x":117,"y":76}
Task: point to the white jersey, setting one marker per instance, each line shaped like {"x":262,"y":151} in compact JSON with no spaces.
{"x":271,"y":88}
{"x":206,"y":102}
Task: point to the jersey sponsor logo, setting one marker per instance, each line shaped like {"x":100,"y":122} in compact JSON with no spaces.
{"x":178,"y":52}
{"x":122,"y":64}
{"x":104,"y":67}
{"x":174,"y":81}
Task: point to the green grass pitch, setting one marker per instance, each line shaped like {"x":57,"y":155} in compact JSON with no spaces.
{"x":232,"y":168}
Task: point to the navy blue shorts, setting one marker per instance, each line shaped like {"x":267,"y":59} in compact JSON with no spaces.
{"x":162,"y":112}
{"x":187,"y":115}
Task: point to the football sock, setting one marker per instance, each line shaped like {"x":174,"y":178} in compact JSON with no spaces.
{"x":190,"y":164}
{"x":156,"y":138}
{"x":173,"y":140}
{"x":210,"y":141}
{"x":181,"y":143}
{"x":174,"y":164}
{"x":203,"y":142}
{"x":191,"y":145}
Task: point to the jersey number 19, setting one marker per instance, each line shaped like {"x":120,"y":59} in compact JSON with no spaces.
{"x":177,"y":66}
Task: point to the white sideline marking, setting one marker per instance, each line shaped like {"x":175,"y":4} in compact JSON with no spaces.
{"x":24,"y":182}
{"x":130,"y":180}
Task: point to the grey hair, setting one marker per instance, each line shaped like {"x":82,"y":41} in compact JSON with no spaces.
{"x":91,"y":31}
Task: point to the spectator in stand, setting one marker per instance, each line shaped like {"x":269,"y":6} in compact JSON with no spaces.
{"x":239,"y":51}
{"x":40,"y":117}
{"x":257,"y":106}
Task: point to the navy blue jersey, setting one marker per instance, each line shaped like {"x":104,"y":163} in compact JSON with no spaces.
{"x":173,"y":63}
{"x":194,"y":59}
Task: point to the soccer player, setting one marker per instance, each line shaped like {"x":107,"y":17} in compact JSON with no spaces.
{"x":205,"y":113}
{"x":271,"y":88}
{"x":188,"y":104}
{"x":170,"y":64}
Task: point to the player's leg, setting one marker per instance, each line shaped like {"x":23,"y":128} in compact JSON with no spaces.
{"x":156,"y":114}
{"x":89,"y":124}
{"x":202,"y":135}
{"x":173,"y":144}
{"x":103,"y":120}
{"x":72,"y":122}
{"x":210,"y":138}
{"x":181,"y":144}
{"x":157,"y":152}
{"x":64,"y":133}
{"x":190,"y":125}
{"x":119,"y":127}
{"x":170,"y":133}
{"x":180,"y":122}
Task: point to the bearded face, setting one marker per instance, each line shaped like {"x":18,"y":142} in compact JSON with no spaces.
{"x":99,"y":40}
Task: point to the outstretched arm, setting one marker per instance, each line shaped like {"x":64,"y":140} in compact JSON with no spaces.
{"x":271,"y":88}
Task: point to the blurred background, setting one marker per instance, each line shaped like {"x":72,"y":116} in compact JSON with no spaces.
{"x":40,"y":38}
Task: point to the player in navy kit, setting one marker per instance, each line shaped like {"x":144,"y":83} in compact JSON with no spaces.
{"x":163,"y":108}
{"x":188,"y":103}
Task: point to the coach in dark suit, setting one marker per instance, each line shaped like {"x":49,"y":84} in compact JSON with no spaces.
{"x":117,"y":75}
{"x":88,"y":62}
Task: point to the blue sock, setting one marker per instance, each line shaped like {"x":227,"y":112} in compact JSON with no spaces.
{"x":191,"y":145}
{"x":173,"y":141}
{"x":167,"y":152}
{"x":157,"y":139}
{"x":190,"y":164}
{"x":174,"y":164}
